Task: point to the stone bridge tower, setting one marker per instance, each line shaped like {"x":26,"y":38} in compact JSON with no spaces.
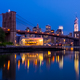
{"x":9,"y":22}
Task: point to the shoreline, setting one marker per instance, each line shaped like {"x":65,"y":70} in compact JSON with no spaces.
{"x":12,"y":49}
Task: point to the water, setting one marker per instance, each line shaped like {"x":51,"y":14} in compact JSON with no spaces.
{"x":43,"y":65}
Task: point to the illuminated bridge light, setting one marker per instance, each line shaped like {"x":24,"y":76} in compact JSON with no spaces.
{"x":27,"y":31}
{"x":15,"y":55}
{"x":57,"y":34}
{"x":8,"y":29}
{"x":35,"y":32}
{"x":18,"y":30}
{"x":72,"y":49}
{"x":47,"y":33}
{"x":52,"y":34}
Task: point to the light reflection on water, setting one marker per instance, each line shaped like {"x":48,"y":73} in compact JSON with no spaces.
{"x":43,"y":65}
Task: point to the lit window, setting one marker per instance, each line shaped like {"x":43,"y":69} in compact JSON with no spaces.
{"x":75,"y":35}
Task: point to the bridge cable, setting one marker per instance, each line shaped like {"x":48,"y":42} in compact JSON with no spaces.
{"x":25,"y":19}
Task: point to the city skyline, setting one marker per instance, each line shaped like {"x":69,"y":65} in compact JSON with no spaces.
{"x":55,"y":13}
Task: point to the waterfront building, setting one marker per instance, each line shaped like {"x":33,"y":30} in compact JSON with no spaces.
{"x":24,"y":41}
{"x":76,"y":25}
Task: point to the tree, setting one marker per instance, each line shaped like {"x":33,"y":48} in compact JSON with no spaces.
{"x":2,"y":35}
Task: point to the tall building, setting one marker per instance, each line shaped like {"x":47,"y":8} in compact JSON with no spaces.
{"x":36,"y":29}
{"x":76,"y":25}
{"x":47,"y":39}
{"x":60,"y":32}
{"x":28,"y":29}
{"x":61,"y":28}
{"x":48,"y":28}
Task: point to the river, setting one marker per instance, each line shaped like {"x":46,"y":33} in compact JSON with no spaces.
{"x":40,"y":65}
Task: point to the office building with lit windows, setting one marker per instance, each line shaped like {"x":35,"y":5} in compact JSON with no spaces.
{"x":47,"y":39}
{"x":59,"y":32}
{"x":48,"y":28}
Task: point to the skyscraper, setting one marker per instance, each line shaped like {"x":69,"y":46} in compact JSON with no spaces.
{"x":61,"y":28}
{"x":76,"y":25}
{"x":48,"y":28}
{"x":47,"y":39}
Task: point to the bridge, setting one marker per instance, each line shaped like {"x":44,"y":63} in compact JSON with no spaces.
{"x":9,"y":26}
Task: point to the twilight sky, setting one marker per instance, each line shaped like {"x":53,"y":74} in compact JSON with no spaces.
{"x":43,"y":12}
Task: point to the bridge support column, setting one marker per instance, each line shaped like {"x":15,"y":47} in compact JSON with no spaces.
{"x":12,"y":37}
{"x":9,"y":22}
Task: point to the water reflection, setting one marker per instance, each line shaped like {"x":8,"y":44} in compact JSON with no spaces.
{"x":9,"y":68}
{"x":39,"y":60}
{"x":61,"y":63}
{"x":76,"y":63}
